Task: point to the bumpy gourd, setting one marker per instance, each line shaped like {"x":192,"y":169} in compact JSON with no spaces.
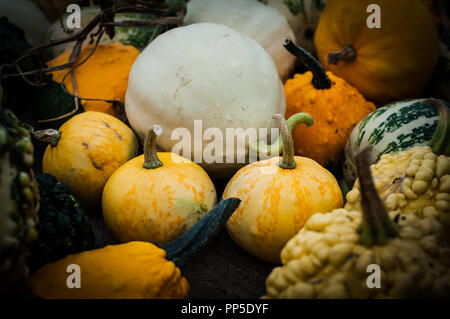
{"x":334,"y":104}
{"x":278,"y":197}
{"x":19,"y":198}
{"x":133,"y":270}
{"x":85,"y":151}
{"x":329,"y":257}
{"x":385,"y":64}
{"x":393,"y":128}
{"x":156,"y":197}
{"x":103,"y":76}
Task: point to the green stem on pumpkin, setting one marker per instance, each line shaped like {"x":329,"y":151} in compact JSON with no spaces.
{"x":440,"y":142}
{"x":151,"y":160}
{"x":184,"y":248}
{"x":347,"y":54}
{"x":261,"y":148}
{"x":320,"y":80}
{"x":288,"y":161}
{"x":49,"y":136}
{"x":377,"y":226}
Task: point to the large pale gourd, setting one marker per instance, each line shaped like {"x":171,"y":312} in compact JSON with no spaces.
{"x":303,"y":17}
{"x":205,"y":72}
{"x":261,"y":23}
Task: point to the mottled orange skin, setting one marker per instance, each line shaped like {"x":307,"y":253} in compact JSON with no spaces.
{"x":156,"y":205}
{"x":394,"y":62}
{"x":336,"y":111}
{"x":91,"y":147}
{"x":276,"y":203}
{"x":103,"y":76}
{"x":128,"y":271}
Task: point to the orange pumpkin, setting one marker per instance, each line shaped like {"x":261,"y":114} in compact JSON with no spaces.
{"x":103,"y":76}
{"x":334,"y":104}
{"x":277,"y":198}
{"x":156,"y":197}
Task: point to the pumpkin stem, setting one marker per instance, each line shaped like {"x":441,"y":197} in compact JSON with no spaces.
{"x":440,"y":142}
{"x":151,"y":159}
{"x":348,"y":54}
{"x":261,"y":148}
{"x":49,"y":136}
{"x":288,"y":161}
{"x":320,"y":80}
{"x":376,"y":226}
{"x":184,"y":248}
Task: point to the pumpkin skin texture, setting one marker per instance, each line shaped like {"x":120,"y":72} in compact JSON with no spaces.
{"x":156,"y":205}
{"x":128,"y":271}
{"x":205,"y":72}
{"x":336,"y":112}
{"x":92,"y":145}
{"x":275,"y":206}
{"x":103,"y":76}
{"x":392,"y":63}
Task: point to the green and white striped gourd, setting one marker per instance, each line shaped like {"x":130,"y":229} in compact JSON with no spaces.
{"x":139,"y":37}
{"x":390,"y":129}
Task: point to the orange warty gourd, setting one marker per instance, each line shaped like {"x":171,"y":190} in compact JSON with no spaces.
{"x":334,"y":104}
{"x":103,"y":76}
{"x":156,"y":197}
{"x":385,"y":64}
{"x":85,"y":151}
{"x":133,"y":270}
{"x":278,"y":197}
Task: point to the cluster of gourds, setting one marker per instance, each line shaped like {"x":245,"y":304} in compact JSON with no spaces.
{"x":230,"y":66}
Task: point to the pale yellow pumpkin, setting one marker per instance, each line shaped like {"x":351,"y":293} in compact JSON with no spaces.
{"x":159,"y":202}
{"x":85,"y":151}
{"x":277,"y":198}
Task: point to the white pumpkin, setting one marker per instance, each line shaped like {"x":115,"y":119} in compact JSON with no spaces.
{"x":304,"y":22}
{"x":136,"y":36}
{"x":205,"y":72}
{"x":27,"y":16}
{"x":261,"y":23}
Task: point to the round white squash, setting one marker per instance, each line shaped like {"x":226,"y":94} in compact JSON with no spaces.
{"x":27,"y":16}
{"x":304,"y":22}
{"x":205,"y":72}
{"x":261,"y":23}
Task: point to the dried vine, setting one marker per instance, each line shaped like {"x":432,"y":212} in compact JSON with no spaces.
{"x":167,"y":14}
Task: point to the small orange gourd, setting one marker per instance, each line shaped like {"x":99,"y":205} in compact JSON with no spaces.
{"x":277,"y":197}
{"x":85,"y":151}
{"x":334,"y":104}
{"x":156,"y":197}
{"x":104,"y":75}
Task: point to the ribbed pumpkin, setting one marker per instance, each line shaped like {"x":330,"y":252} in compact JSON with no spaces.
{"x":334,"y":104}
{"x":156,"y":197}
{"x":85,"y":151}
{"x":133,"y":270}
{"x":385,"y":64}
{"x":278,"y":197}
{"x":103,"y":76}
